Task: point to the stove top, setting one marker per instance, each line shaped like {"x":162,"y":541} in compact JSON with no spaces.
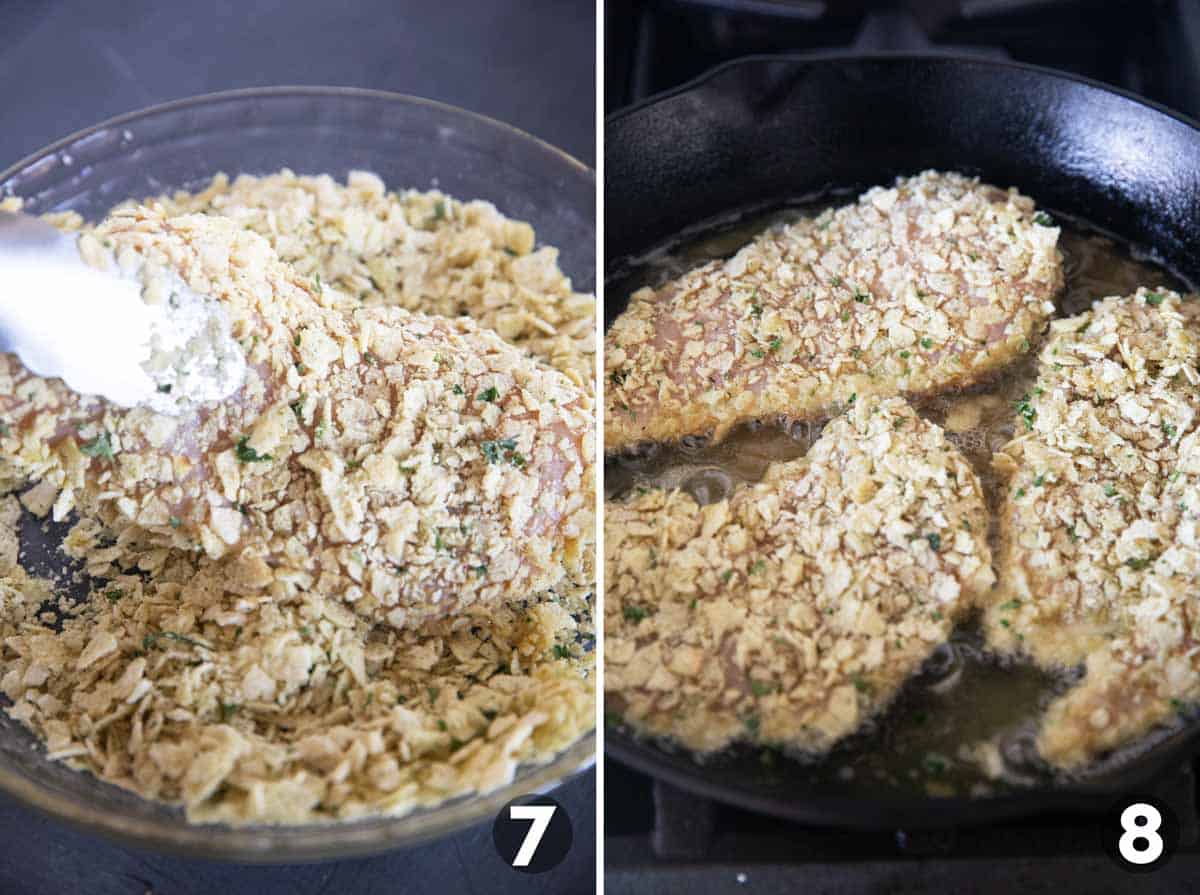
{"x":663,"y":840}
{"x":1150,"y":47}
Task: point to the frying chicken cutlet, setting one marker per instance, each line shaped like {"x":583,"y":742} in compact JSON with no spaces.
{"x":415,"y":466}
{"x":1100,"y":525}
{"x":792,"y":611}
{"x":929,"y":285}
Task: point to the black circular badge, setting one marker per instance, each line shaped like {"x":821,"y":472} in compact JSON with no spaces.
{"x":532,"y":834}
{"x":1142,"y":833}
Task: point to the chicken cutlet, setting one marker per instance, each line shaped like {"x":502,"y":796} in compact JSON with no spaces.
{"x":1099,"y":556}
{"x":791,"y":612}
{"x":425,"y":252}
{"x":416,"y":466}
{"x":926,"y":286}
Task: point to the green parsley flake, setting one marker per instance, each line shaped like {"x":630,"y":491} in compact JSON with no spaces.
{"x":247,"y":454}
{"x":634,"y":613}
{"x":100,"y":446}
{"x":150,"y":641}
{"x":1026,"y":411}
{"x":499,"y":449}
{"x":935,"y":763}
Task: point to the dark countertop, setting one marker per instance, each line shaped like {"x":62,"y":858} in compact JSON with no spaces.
{"x":39,"y":856}
{"x":528,"y":63}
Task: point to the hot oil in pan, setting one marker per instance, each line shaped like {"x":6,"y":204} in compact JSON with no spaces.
{"x":966,"y":724}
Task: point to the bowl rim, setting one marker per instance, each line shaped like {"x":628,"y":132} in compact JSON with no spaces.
{"x":335,"y":840}
{"x":284,"y":90}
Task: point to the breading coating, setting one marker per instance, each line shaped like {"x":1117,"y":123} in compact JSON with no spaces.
{"x":246,"y":687}
{"x":791,"y":612}
{"x":1099,"y":560}
{"x":426,"y":252}
{"x":929,"y":285}
{"x":412,"y":465}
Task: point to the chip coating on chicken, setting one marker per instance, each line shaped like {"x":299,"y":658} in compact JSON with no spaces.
{"x":416,"y":466}
{"x":1099,"y":558}
{"x":426,"y":252}
{"x":791,"y":612}
{"x":926,"y":286}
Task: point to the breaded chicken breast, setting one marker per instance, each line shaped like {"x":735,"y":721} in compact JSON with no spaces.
{"x":415,"y":466}
{"x":1100,"y":525}
{"x":425,"y":252}
{"x":792,"y":611}
{"x":928,"y":285}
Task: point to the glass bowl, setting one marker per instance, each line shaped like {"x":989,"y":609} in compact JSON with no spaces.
{"x":407,"y":141}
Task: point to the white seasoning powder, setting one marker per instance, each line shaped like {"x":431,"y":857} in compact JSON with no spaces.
{"x":193,"y":356}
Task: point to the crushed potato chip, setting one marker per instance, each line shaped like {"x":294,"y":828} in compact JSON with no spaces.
{"x":916,"y":289}
{"x":1100,"y":522}
{"x":360,"y":588}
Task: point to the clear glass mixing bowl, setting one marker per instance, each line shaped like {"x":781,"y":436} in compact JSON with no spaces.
{"x":409,"y":142}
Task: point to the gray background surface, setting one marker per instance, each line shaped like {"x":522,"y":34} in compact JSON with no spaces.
{"x":67,"y":64}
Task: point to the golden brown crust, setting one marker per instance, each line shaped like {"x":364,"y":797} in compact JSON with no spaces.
{"x":927,"y":286}
{"x":1100,"y":524}
{"x":792,"y":611}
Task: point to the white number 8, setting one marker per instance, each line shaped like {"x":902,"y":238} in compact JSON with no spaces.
{"x":1140,"y":821}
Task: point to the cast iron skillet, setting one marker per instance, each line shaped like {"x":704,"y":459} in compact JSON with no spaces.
{"x":762,"y":130}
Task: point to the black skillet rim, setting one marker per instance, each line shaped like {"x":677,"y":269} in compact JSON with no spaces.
{"x":886,"y":812}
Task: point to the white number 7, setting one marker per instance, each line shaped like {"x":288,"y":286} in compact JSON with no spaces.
{"x":540,"y":815}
